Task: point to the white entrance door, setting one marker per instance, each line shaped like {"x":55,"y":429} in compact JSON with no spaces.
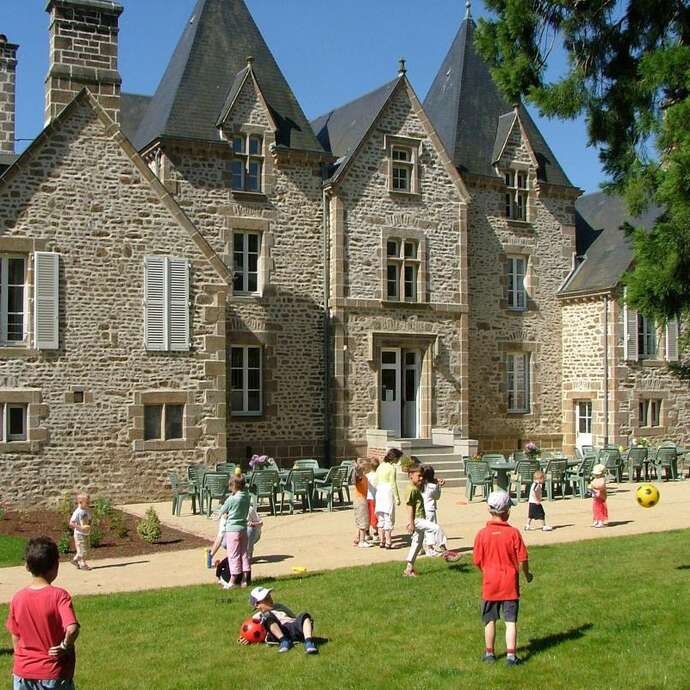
{"x":411,"y":394}
{"x":390,"y":394}
{"x":583,"y":423}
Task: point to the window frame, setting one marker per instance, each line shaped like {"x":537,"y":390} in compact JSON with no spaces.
{"x":517,"y":194}
{"x":248,"y":159}
{"x":514,"y":390}
{"x":647,"y":339}
{"x":163,"y":422}
{"x":5,"y":435}
{"x":401,"y":262}
{"x":412,"y":148}
{"x":245,"y":255}
{"x":5,"y":257}
{"x":245,"y":411}
{"x":649,"y":413}
{"x":519,"y":288}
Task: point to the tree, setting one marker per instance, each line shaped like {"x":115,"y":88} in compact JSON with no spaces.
{"x":629,"y":74}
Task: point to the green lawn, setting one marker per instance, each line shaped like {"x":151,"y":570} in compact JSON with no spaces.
{"x":601,"y":614}
{"x":11,"y":551}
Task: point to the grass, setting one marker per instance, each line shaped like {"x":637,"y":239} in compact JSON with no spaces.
{"x":11,"y":551}
{"x":601,"y":614}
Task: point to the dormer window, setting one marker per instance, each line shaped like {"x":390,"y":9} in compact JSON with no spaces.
{"x":403,"y":164}
{"x":402,"y":169}
{"x":516,"y":194}
{"x":247,"y":165}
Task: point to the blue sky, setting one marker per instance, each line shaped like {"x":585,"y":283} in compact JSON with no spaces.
{"x":330,"y":52}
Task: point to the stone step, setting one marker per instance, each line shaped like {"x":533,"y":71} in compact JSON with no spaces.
{"x":432,"y":450}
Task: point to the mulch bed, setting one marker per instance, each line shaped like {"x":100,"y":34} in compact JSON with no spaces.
{"x":49,"y":523}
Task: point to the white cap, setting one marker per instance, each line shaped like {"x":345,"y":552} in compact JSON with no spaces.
{"x":499,"y":501}
{"x":259,"y":594}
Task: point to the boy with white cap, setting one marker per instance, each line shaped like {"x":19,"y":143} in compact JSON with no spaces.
{"x":500,"y":554}
{"x":282,"y":625}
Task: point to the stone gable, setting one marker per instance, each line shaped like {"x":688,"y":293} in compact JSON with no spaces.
{"x":249,"y":108}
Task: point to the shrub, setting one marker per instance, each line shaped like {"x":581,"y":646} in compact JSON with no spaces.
{"x":96,"y":534}
{"x":149,"y":528}
{"x":102,"y":509}
{"x":117,"y":525}
{"x":65,"y":542}
{"x":66,"y":508}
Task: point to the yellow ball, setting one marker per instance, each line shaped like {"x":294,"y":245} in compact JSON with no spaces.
{"x":647,"y":495}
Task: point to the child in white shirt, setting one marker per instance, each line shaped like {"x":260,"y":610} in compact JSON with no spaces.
{"x":431,"y":493}
{"x":536,"y":509}
{"x":80,"y":522}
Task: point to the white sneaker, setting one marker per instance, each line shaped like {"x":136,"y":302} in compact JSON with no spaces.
{"x":547,"y":528}
{"x":364,"y":545}
{"x":527,"y":528}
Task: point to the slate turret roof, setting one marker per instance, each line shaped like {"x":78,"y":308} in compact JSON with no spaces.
{"x":211,"y":53}
{"x":471,"y":116}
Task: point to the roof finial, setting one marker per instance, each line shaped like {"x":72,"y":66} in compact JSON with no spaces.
{"x":250,"y":61}
{"x":402,"y":70}
{"x":468,"y":9}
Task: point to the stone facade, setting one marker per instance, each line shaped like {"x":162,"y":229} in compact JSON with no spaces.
{"x":82,"y":191}
{"x":8,"y":86}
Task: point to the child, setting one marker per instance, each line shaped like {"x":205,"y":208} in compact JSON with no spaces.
{"x":418,"y":525}
{"x":500,"y":554}
{"x":254,"y":525}
{"x":237,"y":509}
{"x":598,"y":488}
{"x":536,"y":509}
{"x":431,"y":494}
{"x":282,"y":626}
{"x":361,"y":510}
{"x":371,"y":499}
{"x":42,"y":623}
{"x":80,"y":522}
{"x":387,"y":496}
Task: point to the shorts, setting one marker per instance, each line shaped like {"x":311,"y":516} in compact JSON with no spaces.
{"x":361,"y":514}
{"x":536,"y":511}
{"x":491,"y":610}
{"x":385,"y":520}
{"x":24,"y":684}
{"x":81,"y":545}
{"x":293,"y":631}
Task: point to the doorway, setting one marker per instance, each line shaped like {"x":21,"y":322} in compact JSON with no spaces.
{"x":399,"y":397}
{"x":583,"y":423}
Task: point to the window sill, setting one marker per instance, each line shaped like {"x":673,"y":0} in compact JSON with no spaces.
{"x":515,"y":413}
{"x":405,"y":305}
{"x":651,"y":363}
{"x":248,"y":416}
{"x":173,"y":444}
{"x":246,"y":296}
{"x":519,"y":224}
{"x":517,"y":310}
{"x":16,"y":447}
{"x":405,"y":195}
{"x":10,"y":351}
{"x":249,"y":196}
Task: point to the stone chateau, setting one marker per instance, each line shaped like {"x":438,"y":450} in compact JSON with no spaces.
{"x":202,"y":274}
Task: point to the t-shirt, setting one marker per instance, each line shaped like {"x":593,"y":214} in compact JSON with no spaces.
{"x":415,"y":499}
{"x":431,"y":493}
{"x":498,"y":551}
{"x":81,"y":516}
{"x":237,"y":507}
{"x":39,"y":617}
{"x":361,"y":488}
{"x":535,"y":492}
{"x":371,"y":486}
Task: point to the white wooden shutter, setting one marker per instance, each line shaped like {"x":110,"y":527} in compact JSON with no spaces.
{"x":46,"y":300}
{"x":630,"y":333}
{"x":178,"y":304}
{"x":155,"y":307}
{"x":672,"y":340}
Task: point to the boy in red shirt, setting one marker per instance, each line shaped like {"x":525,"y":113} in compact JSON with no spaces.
{"x":500,"y":554}
{"x":43,"y":625}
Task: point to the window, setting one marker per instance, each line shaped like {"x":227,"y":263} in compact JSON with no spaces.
{"x":247,"y":164}
{"x":516,"y":294}
{"x":518,"y":382}
{"x":403,"y":164}
{"x":402,"y":169}
{"x":402,"y":270}
{"x":12,"y":299}
{"x":12,"y":422}
{"x":650,"y":412}
{"x":646,"y":337}
{"x":516,"y":196}
{"x":163,"y":422}
{"x":245,"y":380}
{"x":246,"y":255}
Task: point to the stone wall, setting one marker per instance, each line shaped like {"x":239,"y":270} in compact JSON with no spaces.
{"x":8,"y":89}
{"x":80,"y":193}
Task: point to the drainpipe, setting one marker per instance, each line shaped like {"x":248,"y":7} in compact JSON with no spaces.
{"x":326,"y":321}
{"x":606,"y":370}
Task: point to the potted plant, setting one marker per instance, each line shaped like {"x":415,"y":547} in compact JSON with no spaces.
{"x":532,"y":450}
{"x":259,"y":462}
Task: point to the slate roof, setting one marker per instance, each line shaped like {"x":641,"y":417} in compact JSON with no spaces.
{"x":213,"y":49}
{"x":465,"y":106}
{"x":610,"y":254}
{"x":132,"y":110}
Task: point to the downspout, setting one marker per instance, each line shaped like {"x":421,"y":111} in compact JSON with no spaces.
{"x":606,"y":370}
{"x":326,"y":320}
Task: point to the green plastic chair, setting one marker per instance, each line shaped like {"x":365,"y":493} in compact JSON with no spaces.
{"x":518,"y":455}
{"x":523,"y":476}
{"x":298,"y":484}
{"x":265,"y":484}
{"x":195,"y":475}
{"x":589,"y":450}
{"x":611,"y":459}
{"x":580,"y":477}
{"x":349,"y":477}
{"x":227,"y":467}
{"x":666,"y":459}
{"x":215,"y":486}
{"x":180,"y":491}
{"x":331,"y":484}
{"x":637,"y":457}
{"x":478,"y":476}
{"x":493,"y":457}
{"x":555,"y":476}
{"x":306,"y":464}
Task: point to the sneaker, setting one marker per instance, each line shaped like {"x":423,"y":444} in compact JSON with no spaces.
{"x":284,"y":646}
{"x":310,"y":647}
{"x":527,"y":528}
{"x":364,"y":545}
{"x":489,"y":658}
{"x":84,"y":566}
{"x":451,"y":556}
{"x":409,"y":573}
{"x":600,"y":524}
{"x":547,"y":528}
{"x":228,"y":585}
{"x":431,"y":553}
{"x":513,"y":661}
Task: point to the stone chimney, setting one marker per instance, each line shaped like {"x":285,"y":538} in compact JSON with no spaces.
{"x":83,"y":53}
{"x":8,"y":90}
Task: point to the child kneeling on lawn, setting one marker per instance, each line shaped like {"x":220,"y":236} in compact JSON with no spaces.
{"x":282,"y":625}
{"x":42,"y":623}
{"x":500,"y":554}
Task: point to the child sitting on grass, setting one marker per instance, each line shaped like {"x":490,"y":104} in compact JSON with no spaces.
{"x":42,"y":623}
{"x":500,"y":554}
{"x":80,"y":522}
{"x":281,"y":624}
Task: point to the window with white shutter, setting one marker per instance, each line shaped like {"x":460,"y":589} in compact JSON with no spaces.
{"x":630,"y":334}
{"x":518,"y":382}
{"x":46,"y":300}
{"x":672,"y":340}
{"x":12,"y":299}
{"x":166,"y":304}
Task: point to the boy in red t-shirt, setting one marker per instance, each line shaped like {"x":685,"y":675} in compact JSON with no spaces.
{"x":500,"y":554}
{"x":42,"y":623}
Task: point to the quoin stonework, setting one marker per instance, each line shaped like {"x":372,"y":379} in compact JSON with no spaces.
{"x":202,"y":274}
